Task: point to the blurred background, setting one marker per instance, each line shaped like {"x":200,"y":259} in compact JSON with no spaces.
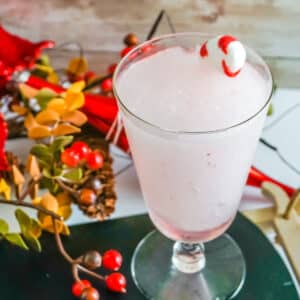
{"x":271,"y":27}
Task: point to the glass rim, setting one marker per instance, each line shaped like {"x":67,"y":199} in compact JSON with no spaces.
{"x":185,"y":132}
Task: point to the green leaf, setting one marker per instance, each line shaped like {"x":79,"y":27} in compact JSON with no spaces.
{"x":42,"y":153}
{"x":23,"y":219}
{"x":3,"y":227}
{"x":60,"y":143}
{"x":16,"y":239}
{"x":44,"y":96}
{"x":33,"y":242}
{"x":44,"y":60}
{"x":49,"y":184}
{"x":74,"y":174}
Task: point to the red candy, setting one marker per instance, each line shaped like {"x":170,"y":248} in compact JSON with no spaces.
{"x":203,"y":50}
{"x":112,"y":260}
{"x":227,"y":71}
{"x":224,"y":41}
{"x":116,"y":282}
{"x":106,"y":85}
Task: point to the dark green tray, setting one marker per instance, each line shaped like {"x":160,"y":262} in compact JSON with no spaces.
{"x":29,"y":276}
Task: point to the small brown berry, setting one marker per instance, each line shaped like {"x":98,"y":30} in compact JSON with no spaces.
{"x":87,"y":197}
{"x":90,"y":294}
{"x":92,"y":260}
{"x":131,"y":40}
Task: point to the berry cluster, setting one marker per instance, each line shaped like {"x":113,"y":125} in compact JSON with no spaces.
{"x":130,"y":42}
{"x":116,"y":282}
{"x":79,"y":153}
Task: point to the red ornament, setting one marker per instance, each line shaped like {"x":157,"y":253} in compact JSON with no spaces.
{"x":112,"y":260}
{"x":106,"y":85}
{"x":82,"y":149}
{"x":3,"y":138}
{"x":79,"y":286}
{"x":17,"y":54}
{"x":125,"y":51}
{"x":95,"y":160}
{"x":69,"y":157}
{"x":116,"y":282}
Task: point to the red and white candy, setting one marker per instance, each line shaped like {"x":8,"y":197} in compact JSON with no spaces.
{"x":226,"y":52}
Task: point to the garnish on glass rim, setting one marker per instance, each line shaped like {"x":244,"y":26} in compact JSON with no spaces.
{"x":225,"y":52}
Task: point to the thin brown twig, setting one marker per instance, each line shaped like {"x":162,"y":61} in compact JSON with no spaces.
{"x":65,"y":187}
{"x":75,"y":272}
{"x":72,"y":261}
{"x":32,"y":206}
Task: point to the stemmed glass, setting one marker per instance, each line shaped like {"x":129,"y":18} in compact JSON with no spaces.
{"x":184,"y":194}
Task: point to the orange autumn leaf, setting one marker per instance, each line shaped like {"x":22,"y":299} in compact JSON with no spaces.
{"x":27,"y":90}
{"x":58,"y":105}
{"x":65,"y":129}
{"x":20,"y":110}
{"x":30,"y":121}
{"x":75,"y":117}
{"x":63,"y":199}
{"x":74,"y":100}
{"x":39,"y":132}
{"x":33,"y":167}
{"x":49,"y":202}
{"x":77,"y":66}
{"x":65,"y":211}
{"x":47,"y":117}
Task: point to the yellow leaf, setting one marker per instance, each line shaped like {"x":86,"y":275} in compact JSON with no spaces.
{"x":65,"y":211}
{"x":30,"y":121}
{"x":47,"y":224}
{"x":39,"y":132}
{"x":27,"y":90}
{"x":18,"y":177}
{"x":76,"y":87}
{"x":63,"y":199}
{"x":58,"y":105}
{"x":65,"y":230}
{"x":47,"y":117}
{"x":36,"y":201}
{"x":35,"y":228}
{"x":20,"y":110}
{"x":75,"y":117}
{"x":77,"y":66}
{"x":53,"y":78}
{"x":74,"y":100}
{"x":65,"y":129}
{"x":5,"y":189}
{"x":49,"y":202}
{"x":33,"y":167}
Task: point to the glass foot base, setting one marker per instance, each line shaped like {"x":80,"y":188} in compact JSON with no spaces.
{"x":155,"y":276}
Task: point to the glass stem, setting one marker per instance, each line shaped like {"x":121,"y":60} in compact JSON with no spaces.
{"x":188,"y":257}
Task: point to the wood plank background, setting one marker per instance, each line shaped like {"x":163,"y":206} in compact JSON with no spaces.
{"x":272,"y":27}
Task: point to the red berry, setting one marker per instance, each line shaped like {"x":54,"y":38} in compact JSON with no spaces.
{"x":106,"y":85}
{"x":111,"y":68}
{"x":69,"y":157}
{"x":112,"y":260}
{"x":87,"y":197}
{"x":125,"y":51}
{"x":116,"y":282}
{"x":79,"y":286}
{"x":95,"y":160}
{"x":90,"y":294}
{"x":82,"y":149}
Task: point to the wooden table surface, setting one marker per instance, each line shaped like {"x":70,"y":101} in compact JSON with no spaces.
{"x":271,"y":27}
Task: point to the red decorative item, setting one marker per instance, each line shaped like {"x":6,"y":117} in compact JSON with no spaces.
{"x":112,"y":260}
{"x":3,"y":138}
{"x":17,"y":54}
{"x":256,"y":178}
{"x":79,"y":286}
{"x":116,"y":282}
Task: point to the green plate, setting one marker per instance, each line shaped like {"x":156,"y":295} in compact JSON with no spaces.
{"x":46,"y":276}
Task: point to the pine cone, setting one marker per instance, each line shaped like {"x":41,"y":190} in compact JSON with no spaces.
{"x":101,"y":181}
